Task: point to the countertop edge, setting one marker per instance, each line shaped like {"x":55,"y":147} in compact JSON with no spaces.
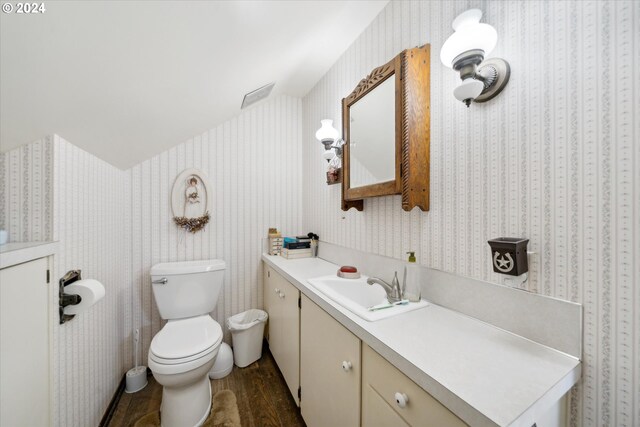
{"x":452,"y":401}
{"x":20,"y":255}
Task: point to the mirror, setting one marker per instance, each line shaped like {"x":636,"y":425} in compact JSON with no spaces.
{"x":372,"y":136}
{"x":386,"y":131}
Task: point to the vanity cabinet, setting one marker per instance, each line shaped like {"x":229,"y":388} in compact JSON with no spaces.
{"x":281,"y":302}
{"x":342,"y":381}
{"x":329,"y":370}
{"x":390,"y":398}
{"x":24,"y":344}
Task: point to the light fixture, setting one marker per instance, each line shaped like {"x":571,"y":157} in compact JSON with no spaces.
{"x":330,"y":138}
{"x":465,"y":50}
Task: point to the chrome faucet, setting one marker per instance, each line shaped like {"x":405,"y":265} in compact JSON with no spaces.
{"x":394,"y":293}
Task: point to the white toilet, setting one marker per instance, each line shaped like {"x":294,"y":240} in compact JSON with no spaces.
{"x":183,"y":352}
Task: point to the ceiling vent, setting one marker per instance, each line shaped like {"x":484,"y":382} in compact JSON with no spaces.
{"x":257,"y":95}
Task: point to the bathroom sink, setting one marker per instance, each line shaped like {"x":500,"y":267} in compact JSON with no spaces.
{"x":357,"y":296}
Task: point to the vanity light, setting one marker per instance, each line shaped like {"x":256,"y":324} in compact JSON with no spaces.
{"x":330,"y":138}
{"x":465,"y":50}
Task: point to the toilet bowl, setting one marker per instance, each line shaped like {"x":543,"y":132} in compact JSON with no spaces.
{"x":183,"y":352}
{"x":180,"y":357}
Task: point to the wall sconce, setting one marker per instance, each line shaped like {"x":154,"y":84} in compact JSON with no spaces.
{"x":465,"y":50}
{"x":330,"y":138}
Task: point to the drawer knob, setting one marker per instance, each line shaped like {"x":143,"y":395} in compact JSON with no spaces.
{"x":346,"y":366}
{"x":277,"y":291}
{"x":402,"y":399}
{"x":281,"y":295}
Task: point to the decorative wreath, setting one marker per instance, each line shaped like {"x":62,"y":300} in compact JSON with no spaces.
{"x":192,"y":225}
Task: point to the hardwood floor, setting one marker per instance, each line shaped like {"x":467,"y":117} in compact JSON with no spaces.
{"x":263,"y":397}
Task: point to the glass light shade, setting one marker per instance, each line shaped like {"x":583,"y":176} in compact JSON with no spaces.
{"x":469,"y":34}
{"x":329,"y":154}
{"x":468,"y":89}
{"x":327,"y":131}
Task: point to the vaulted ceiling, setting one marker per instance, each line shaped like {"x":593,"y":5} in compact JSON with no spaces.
{"x":125,"y":80}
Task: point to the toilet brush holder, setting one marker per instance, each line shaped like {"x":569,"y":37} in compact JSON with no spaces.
{"x":136,"y":379}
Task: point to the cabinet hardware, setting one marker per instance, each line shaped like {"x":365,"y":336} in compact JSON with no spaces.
{"x":346,"y":366}
{"x":65,"y":299}
{"x":402,"y":399}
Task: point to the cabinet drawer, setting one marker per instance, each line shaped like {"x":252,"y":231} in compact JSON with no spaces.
{"x":386,"y":380}
{"x":376,"y":412}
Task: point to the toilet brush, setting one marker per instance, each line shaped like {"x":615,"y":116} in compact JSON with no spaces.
{"x":137,"y":376}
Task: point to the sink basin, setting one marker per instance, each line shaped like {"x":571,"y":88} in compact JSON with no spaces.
{"x":357,"y":296}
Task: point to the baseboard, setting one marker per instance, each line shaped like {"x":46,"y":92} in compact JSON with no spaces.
{"x":111,"y":409}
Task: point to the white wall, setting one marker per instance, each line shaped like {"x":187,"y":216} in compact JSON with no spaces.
{"x":253,"y":165}
{"x":554,"y":158}
{"x":52,"y":190}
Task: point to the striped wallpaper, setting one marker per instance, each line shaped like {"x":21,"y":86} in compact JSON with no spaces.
{"x":52,"y":190}
{"x":25,"y":191}
{"x":254,"y":168}
{"x":90,"y":222}
{"x":554,"y":158}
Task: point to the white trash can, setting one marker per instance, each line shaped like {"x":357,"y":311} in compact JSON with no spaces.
{"x":247,"y":330}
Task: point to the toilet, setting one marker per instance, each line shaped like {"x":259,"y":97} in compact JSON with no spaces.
{"x":183,"y":352}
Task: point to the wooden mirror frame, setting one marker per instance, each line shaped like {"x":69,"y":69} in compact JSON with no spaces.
{"x":411,"y":71}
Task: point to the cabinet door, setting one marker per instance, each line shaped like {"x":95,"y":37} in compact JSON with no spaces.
{"x":289,"y":336}
{"x":385,"y":380}
{"x":24,"y":345}
{"x":330,"y":393}
{"x":270,"y":299}
{"x":281,"y":303}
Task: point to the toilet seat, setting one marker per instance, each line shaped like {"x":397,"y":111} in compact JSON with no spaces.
{"x":185,"y":344}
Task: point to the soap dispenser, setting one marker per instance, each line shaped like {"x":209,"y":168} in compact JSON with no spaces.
{"x":411,"y":285}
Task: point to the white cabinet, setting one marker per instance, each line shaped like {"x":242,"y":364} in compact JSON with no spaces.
{"x":281,"y":301}
{"x":24,"y":344}
{"x":390,"y":398}
{"x":329,"y":370}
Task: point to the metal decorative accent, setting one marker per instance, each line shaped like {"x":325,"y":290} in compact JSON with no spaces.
{"x":494,"y":73}
{"x":509,"y":255}
{"x":66,"y":299}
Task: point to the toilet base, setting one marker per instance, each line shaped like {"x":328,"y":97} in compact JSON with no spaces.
{"x":188,"y":405}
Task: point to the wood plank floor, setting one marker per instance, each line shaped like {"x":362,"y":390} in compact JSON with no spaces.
{"x":263,"y":397}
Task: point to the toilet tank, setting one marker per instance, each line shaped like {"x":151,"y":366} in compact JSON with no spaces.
{"x":188,"y":288}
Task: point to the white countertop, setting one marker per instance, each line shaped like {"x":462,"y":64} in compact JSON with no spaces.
{"x":483,"y":374}
{"x":16,"y":253}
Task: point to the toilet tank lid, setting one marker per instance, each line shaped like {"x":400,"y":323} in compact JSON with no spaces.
{"x":187,"y":267}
